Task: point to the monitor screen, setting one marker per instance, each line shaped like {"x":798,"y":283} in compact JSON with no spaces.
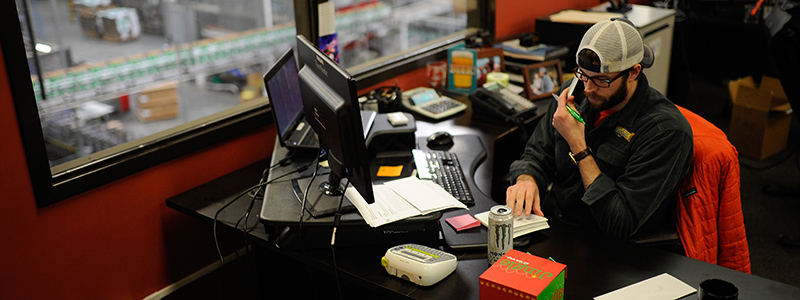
{"x":331,"y":107}
{"x":283,"y":90}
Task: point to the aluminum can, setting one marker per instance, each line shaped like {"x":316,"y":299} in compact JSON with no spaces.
{"x":501,"y":232}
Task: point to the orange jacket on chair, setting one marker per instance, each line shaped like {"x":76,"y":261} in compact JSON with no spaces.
{"x":709,"y":209}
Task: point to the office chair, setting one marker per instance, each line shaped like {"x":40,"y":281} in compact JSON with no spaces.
{"x":784,"y":46}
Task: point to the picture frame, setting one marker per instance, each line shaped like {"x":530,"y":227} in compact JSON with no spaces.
{"x":489,"y":60}
{"x":536,"y":83}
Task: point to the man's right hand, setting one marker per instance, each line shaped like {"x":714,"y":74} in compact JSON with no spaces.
{"x":523,"y":196}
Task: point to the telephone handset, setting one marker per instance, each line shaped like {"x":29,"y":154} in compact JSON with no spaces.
{"x":501,"y":100}
{"x":576,"y":89}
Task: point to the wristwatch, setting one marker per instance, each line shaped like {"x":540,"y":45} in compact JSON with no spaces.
{"x":580,"y":155}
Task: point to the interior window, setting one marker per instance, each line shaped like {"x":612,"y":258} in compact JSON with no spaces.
{"x":106,"y":72}
{"x":113,"y":81}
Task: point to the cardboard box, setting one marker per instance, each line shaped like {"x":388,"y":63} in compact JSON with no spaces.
{"x":157,"y":113}
{"x":519,"y":275}
{"x":760,"y":118}
{"x":120,"y":24}
{"x":159,"y":102}
{"x":86,"y":10}
{"x":158,"y":95}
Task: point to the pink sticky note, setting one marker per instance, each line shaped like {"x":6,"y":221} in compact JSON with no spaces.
{"x":463,"y":222}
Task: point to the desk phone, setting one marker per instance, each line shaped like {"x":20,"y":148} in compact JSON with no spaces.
{"x":501,"y":101}
{"x":419,"y":264}
{"x":515,"y":102}
{"x":427,"y":102}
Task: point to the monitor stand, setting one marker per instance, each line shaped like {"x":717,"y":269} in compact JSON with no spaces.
{"x":320,"y":202}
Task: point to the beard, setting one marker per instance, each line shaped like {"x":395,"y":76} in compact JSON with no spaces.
{"x":606,"y":103}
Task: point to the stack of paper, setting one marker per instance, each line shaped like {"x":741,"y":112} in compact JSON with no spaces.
{"x":582,"y":17}
{"x":539,"y":52}
{"x":522,"y":224}
{"x":463,"y":222}
{"x":402,"y":198}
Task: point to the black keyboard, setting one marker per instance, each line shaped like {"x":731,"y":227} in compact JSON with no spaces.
{"x":443,"y":168}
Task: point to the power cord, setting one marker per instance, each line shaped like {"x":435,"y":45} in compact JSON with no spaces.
{"x":246,"y":214}
{"x":336,"y":220}
{"x":302,"y":218}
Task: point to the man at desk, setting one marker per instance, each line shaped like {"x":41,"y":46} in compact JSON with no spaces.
{"x":617,"y":172}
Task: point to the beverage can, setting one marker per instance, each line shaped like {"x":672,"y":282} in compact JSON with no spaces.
{"x":501,"y":232}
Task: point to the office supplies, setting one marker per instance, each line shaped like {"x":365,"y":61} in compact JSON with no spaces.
{"x":500,"y":78}
{"x":427,"y":102}
{"x":444,"y":169}
{"x":397,"y":118}
{"x":401,"y":199}
{"x":283,"y":90}
{"x":522,"y":225}
{"x":536,"y":53}
{"x":463,"y":222}
{"x":419,"y":264}
{"x":440,"y":138}
{"x":572,"y":112}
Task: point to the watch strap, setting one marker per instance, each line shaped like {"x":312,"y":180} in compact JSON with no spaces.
{"x":576,"y":157}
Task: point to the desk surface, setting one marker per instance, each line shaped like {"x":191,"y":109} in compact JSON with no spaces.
{"x":596,"y":263}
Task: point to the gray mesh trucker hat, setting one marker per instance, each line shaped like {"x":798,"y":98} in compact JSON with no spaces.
{"x":618,"y":44}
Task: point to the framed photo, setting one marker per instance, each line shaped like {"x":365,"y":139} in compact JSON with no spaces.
{"x":541,"y":79}
{"x":489,"y":60}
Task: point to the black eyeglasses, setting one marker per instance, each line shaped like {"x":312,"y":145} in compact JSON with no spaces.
{"x":599,"y":82}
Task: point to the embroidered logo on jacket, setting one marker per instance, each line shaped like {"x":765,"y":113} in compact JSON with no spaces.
{"x":624,"y":133}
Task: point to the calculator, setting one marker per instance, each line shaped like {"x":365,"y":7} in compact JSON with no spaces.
{"x":427,"y":102}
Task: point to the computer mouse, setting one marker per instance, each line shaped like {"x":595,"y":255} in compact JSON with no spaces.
{"x":440,"y":138}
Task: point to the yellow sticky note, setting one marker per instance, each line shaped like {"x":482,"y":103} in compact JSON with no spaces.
{"x":390,"y":171}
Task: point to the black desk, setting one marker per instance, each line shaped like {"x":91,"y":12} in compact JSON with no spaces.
{"x":596,"y":263}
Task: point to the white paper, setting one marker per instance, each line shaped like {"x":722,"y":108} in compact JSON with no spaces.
{"x":400,"y":199}
{"x":326,"y":16}
{"x":582,"y":17}
{"x":425,"y":195}
{"x":522,"y":224}
{"x":388,"y":207}
{"x":661,"y":287}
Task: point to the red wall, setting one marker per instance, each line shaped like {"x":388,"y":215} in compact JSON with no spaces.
{"x":516,"y":17}
{"x":120,"y":241}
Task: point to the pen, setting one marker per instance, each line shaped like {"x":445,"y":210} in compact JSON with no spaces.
{"x":572,"y":112}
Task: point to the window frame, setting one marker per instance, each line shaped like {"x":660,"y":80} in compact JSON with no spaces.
{"x":51,"y":185}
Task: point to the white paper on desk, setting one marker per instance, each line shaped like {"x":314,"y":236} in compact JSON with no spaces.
{"x":582,"y":17}
{"x":425,"y":195}
{"x":660,"y":287}
{"x":388,"y":207}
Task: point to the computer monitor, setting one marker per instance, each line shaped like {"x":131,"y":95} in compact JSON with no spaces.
{"x":283,"y":89}
{"x":330,"y":102}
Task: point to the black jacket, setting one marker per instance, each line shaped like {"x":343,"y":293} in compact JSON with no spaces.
{"x":643,"y":151}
